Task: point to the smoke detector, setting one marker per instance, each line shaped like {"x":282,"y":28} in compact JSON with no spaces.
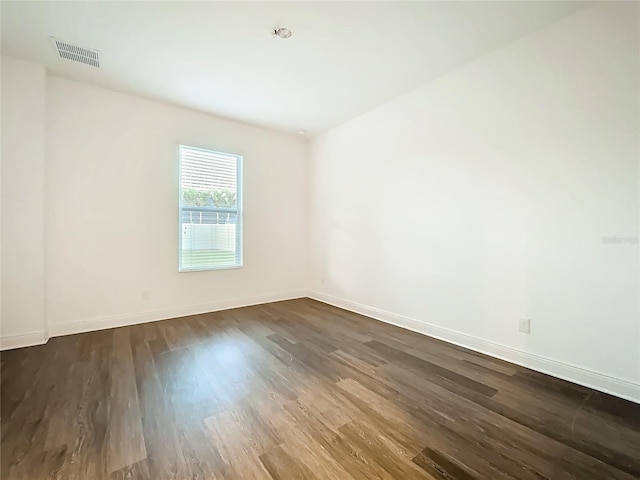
{"x":68,"y":51}
{"x":281,"y":32}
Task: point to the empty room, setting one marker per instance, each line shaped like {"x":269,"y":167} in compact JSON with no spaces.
{"x":342,"y":240}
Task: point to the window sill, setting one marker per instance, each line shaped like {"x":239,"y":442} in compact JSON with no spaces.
{"x":208,"y":269}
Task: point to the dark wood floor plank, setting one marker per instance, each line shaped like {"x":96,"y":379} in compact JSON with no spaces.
{"x":320,"y":363}
{"x":298,"y":389}
{"x":136,"y":471}
{"x":240,"y":439}
{"x":500,"y":435}
{"x":347,"y":455}
{"x":392,"y":456}
{"x":282,"y":467}
{"x":164,"y":454}
{"x":125,"y":436}
{"x":564,"y":433}
{"x":441,"y":467}
{"x":30,"y":380}
{"x":424,"y":366}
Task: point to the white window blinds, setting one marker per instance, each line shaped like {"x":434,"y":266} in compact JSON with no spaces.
{"x":210,"y":210}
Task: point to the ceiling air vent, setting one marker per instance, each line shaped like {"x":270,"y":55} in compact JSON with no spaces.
{"x":75,"y":53}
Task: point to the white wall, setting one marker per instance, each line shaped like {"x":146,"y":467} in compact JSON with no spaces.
{"x":112,"y":210}
{"x":90,"y":197}
{"x":483,"y":197}
{"x":23,"y":119}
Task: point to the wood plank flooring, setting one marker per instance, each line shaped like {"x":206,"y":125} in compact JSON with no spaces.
{"x":298,"y":390}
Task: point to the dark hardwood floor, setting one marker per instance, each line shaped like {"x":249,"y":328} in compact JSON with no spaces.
{"x":295,"y":390}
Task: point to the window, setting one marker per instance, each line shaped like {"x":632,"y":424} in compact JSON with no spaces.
{"x":210,"y":210}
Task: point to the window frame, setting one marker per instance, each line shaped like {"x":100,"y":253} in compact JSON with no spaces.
{"x":238,"y":211}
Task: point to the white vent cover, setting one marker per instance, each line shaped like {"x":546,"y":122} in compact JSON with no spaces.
{"x":75,"y":53}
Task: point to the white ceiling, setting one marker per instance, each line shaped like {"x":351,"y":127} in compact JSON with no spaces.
{"x":343,"y":59}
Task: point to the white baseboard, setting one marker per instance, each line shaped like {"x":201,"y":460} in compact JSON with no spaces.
{"x":103,"y":323}
{"x":598,"y":381}
{"x":9,"y":342}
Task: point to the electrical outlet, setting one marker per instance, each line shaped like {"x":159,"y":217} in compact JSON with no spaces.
{"x":524,"y":325}
{"x":322,"y":281}
{"x":146,"y":295}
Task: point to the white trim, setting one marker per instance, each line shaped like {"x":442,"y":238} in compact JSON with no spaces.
{"x":588,"y":378}
{"x":9,"y":342}
{"x":103,"y":323}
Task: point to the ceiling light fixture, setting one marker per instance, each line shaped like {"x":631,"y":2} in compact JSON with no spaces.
{"x":301,"y":132}
{"x":281,"y":32}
